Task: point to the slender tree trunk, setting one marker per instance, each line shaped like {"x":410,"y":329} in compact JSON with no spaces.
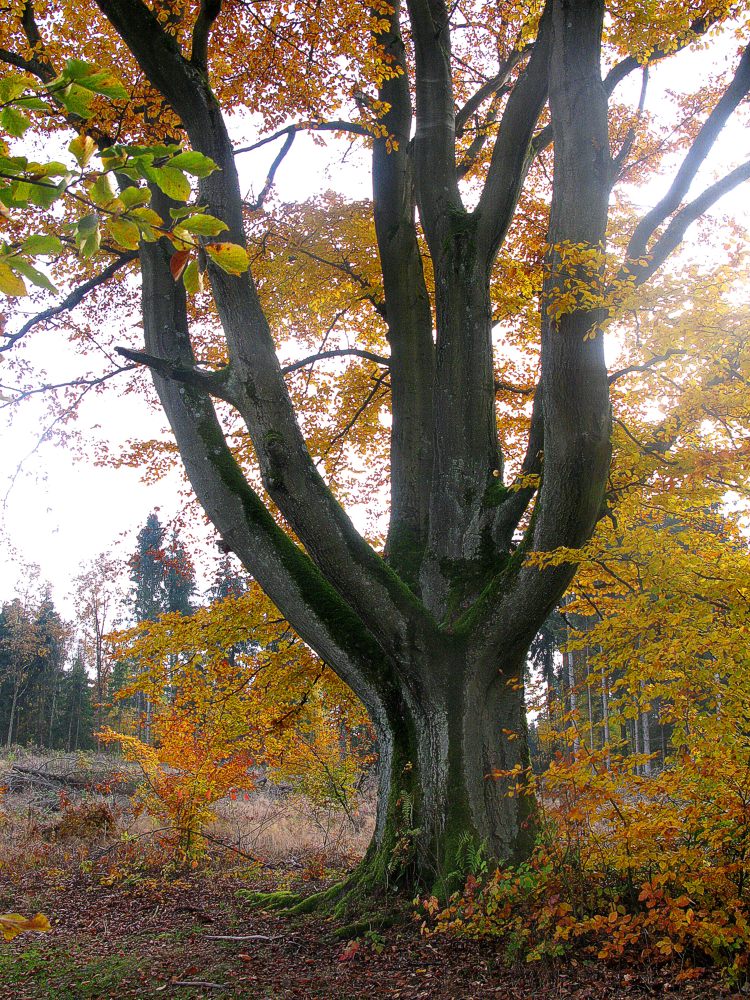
{"x":11,"y":721}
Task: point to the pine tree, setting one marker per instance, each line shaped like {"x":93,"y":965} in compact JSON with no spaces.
{"x":147,"y":572}
{"x":179,"y":577}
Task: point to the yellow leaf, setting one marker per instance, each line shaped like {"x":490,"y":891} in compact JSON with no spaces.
{"x":10,"y":283}
{"x":13,"y":924}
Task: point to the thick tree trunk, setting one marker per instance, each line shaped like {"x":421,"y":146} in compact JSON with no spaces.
{"x":453,"y":772}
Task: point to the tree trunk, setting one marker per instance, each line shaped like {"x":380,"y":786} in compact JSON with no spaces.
{"x":453,"y":773}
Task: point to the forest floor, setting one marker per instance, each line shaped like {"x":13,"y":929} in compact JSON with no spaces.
{"x":127,"y":925}
{"x":161,"y":938}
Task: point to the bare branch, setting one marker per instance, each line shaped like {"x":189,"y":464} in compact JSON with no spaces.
{"x":210,"y":10}
{"x":518,"y":390}
{"x":694,"y":159}
{"x":332,"y":126}
{"x":657,"y":359}
{"x":490,"y":88}
{"x":342,"y":352}
{"x":214,"y":382}
{"x":258,"y":203}
{"x":627,"y":145}
{"x":82,"y":383}
{"x":675,"y":231}
{"x":511,"y":156}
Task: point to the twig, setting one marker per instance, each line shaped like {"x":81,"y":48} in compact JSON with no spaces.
{"x":198,"y":982}
{"x":244,"y":937}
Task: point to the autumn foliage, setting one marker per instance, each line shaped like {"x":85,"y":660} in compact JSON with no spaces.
{"x":233,"y":693}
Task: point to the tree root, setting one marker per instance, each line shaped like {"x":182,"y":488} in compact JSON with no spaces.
{"x":362,"y":900}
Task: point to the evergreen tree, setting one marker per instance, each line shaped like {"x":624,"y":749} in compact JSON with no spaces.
{"x":76,"y":716}
{"x":147,"y":572}
{"x":179,"y":577}
{"x":229,"y":579}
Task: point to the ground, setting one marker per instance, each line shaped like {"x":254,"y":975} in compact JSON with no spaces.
{"x":159,"y":937}
{"x":129,"y":922}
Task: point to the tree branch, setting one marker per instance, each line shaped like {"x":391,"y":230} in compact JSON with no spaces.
{"x":642,"y":268}
{"x":342,"y":352}
{"x":657,"y":359}
{"x":490,"y":88}
{"x":333,"y":126}
{"x":254,"y":206}
{"x":214,"y":382}
{"x":511,"y":156}
{"x":69,"y":302}
{"x":209,"y":11}
{"x":694,"y":159}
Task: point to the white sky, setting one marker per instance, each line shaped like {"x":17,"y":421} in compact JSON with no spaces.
{"x":62,"y":510}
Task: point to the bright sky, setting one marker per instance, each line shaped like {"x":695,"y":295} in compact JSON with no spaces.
{"x":59,"y":510}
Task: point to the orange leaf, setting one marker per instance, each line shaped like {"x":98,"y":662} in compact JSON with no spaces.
{"x":178,"y":262}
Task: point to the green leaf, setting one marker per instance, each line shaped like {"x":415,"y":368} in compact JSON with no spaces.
{"x":76,"y":100}
{"x":113,"y":157}
{"x":52,"y":169}
{"x":192,"y":278}
{"x":101,"y":191}
{"x":194,"y":163}
{"x":41,"y":244}
{"x":125,"y":234}
{"x":203,"y":225}
{"x":16,"y":195}
{"x":82,"y":147}
{"x":171,"y":181}
{"x":11,"y":283}
{"x":149,"y":222}
{"x":34,"y":104}
{"x":46,"y":194}
{"x":230,"y":257}
{"x":14,"y":122}
{"x":12,"y":86}
{"x":13,"y":164}
{"x":96,"y":80}
{"x":36,"y":277}
{"x":87,"y":235}
{"x":131,"y":197}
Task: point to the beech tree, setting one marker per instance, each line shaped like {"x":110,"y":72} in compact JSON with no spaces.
{"x":496,"y":140}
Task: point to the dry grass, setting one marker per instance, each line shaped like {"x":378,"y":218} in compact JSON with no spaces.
{"x":48,"y":825}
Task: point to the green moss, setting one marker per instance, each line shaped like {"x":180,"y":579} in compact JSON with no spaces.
{"x":405,"y":554}
{"x":496,"y":494}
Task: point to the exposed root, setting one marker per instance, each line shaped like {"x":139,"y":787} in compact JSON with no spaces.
{"x":280,"y":900}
